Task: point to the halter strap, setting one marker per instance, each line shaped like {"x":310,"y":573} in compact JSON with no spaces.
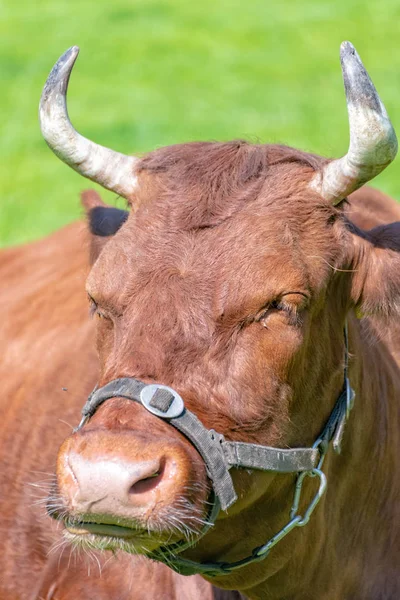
{"x":218,"y":454}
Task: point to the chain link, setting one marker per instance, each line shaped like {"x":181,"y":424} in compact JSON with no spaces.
{"x":297,"y":520}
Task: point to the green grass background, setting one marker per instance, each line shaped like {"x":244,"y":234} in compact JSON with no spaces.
{"x":157,"y":72}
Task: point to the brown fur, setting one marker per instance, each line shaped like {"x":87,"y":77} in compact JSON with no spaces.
{"x":205,"y":183}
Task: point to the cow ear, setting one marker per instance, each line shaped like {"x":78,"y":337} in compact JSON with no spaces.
{"x":376,"y":270}
{"x":103,"y":220}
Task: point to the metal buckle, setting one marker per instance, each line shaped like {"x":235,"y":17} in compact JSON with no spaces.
{"x":175,"y":409}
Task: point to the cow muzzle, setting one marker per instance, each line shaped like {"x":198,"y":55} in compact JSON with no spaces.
{"x":135,"y":485}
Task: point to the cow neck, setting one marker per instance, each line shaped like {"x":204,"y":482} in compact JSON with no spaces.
{"x":221,"y":455}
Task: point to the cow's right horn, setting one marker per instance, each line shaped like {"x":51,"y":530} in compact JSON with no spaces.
{"x":373,"y":143}
{"x":110,"y":169}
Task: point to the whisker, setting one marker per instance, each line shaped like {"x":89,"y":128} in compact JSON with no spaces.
{"x":64,"y":547}
{"x":66,"y":423}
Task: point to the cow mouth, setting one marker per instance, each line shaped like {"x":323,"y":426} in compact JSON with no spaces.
{"x":106,"y":536}
{"x":103,"y":530}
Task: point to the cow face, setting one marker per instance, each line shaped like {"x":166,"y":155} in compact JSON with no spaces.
{"x":220,"y":286}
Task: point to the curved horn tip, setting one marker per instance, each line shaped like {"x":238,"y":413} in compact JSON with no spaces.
{"x":66,"y":60}
{"x":59,"y":75}
{"x":347,"y":48}
{"x":72,"y":50}
{"x":359,"y":89}
{"x":350,"y":59}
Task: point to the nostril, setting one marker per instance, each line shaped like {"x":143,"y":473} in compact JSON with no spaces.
{"x":149,"y":482}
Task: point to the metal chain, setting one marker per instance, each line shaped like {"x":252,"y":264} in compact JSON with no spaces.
{"x":322,"y":444}
{"x":297,"y":520}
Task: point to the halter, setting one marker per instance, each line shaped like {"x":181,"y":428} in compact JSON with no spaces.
{"x":220,"y":456}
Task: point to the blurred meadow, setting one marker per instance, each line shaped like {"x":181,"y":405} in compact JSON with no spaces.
{"x":158,"y":72}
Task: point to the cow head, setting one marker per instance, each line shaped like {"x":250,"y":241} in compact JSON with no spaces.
{"x":229,"y":280}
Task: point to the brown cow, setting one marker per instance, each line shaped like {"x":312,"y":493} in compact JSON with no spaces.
{"x":229,"y":286}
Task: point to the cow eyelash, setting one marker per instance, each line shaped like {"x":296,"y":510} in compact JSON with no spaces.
{"x":94,"y":309}
{"x":279,"y":305}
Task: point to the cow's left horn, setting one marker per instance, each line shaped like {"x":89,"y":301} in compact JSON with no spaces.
{"x":110,"y":169}
{"x":373,"y":143}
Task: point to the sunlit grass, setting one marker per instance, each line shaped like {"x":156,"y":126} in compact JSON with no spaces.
{"x":157,"y":72}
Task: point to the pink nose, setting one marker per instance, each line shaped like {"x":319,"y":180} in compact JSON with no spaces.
{"x":113,"y":486}
{"x":124,"y":475}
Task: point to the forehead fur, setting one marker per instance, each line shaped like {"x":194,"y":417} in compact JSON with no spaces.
{"x":211,"y":212}
{"x":201,"y":184}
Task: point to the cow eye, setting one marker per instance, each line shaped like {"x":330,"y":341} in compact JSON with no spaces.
{"x":268,"y":310}
{"x":95,"y":310}
{"x":290,"y":306}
